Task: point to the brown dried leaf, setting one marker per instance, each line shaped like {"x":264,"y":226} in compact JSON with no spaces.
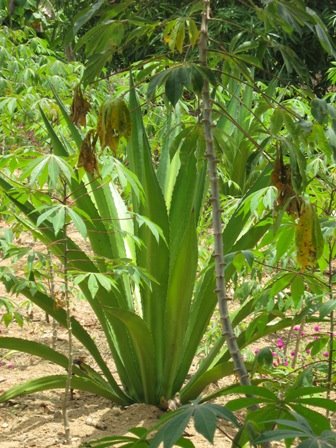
{"x":87,"y":156}
{"x":281,"y":179}
{"x":79,"y":108}
{"x":305,"y":243}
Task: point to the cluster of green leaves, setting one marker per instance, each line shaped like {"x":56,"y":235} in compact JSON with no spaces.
{"x":28,"y":68}
{"x":287,"y":418}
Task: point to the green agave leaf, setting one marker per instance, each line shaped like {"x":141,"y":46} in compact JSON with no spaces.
{"x":47,"y":304}
{"x":56,"y":382}
{"x":45,"y":352}
{"x":180,"y":289}
{"x":143,"y":344}
{"x":55,"y":141}
{"x":85,"y":15}
{"x":202,"y":308}
{"x":153,"y":256}
{"x":182,"y":274}
{"x":109,"y":441}
{"x":198,"y":383}
{"x":105,"y":243}
{"x":34,"y":348}
{"x":130,"y":441}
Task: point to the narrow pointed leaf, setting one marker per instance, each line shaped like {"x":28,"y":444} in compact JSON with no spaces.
{"x":143,"y":349}
{"x":56,"y":382}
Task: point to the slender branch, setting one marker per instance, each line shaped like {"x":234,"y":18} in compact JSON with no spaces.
{"x":66,"y":295}
{"x":332,"y":325}
{"x":227,"y":330}
{"x":297,"y":343}
{"x":51,"y":285}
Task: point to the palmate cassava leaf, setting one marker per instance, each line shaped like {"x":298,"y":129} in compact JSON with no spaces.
{"x":175,"y":79}
{"x":205,"y":416}
{"x":299,"y":428}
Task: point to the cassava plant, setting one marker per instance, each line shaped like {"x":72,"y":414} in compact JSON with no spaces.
{"x":227,"y":329}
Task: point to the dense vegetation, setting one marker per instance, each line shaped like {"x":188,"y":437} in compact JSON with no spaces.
{"x":168,"y":162}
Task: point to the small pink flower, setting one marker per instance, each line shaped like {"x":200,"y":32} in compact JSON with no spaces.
{"x":317,"y":328}
{"x":292,"y":354}
{"x":326,"y":354}
{"x":10,"y":365}
{"x":316,"y":337}
{"x":285,"y":363}
{"x":256,"y":351}
{"x":296,"y":328}
{"x":302,"y":333}
{"x":280,"y":343}
{"x":308,"y":351}
{"x":274,"y":354}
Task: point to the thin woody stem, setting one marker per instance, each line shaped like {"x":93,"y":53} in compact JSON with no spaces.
{"x":66,"y":295}
{"x":227,"y":330}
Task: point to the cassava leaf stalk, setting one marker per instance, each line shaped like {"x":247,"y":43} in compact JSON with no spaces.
{"x":227,"y":330}
{"x":66,"y":296}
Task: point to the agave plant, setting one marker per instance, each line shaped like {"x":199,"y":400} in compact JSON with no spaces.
{"x":152,"y":330}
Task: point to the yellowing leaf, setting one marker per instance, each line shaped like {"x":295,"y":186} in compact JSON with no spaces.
{"x":193,"y":32}
{"x":114,"y":121}
{"x":307,"y":238}
{"x":180,"y":35}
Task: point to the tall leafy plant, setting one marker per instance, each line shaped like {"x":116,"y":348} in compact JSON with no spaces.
{"x":153,"y":331}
